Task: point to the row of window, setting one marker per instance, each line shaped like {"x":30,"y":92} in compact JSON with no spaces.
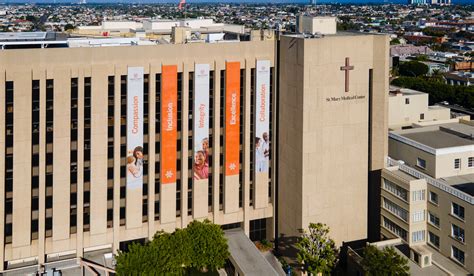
{"x":416,"y":236}
{"x":456,"y":253}
{"x":395,"y":209}
{"x":395,"y":190}
{"x":402,"y":193}
{"x":456,"y":163}
{"x":394,"y":228}
{"x":456,"y":209}
{"x":87,"y":141}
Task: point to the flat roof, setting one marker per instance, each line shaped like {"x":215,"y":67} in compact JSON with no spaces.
{"x":403,"y":250}
{"x":437,"y":139}
{"x":402,"y":175}
{"x":9,"y":36}
{"x":404,"y":91}
{"x":464,"y":183}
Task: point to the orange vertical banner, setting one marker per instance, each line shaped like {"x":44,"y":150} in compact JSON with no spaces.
{"x":169,"y":113}
{"x":232,"y":118}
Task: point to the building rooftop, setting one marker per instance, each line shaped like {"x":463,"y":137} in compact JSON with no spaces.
{"x":437,"y":139}
{"x":14,"y":36}
{"x":31,"y":36}
{"x":460,"y":75}
{"x":400,"y":174}
{"x":395,"y":90}
{"x":463,"y":183}
{"x":459,"y":186}
{"x":441,"y":265}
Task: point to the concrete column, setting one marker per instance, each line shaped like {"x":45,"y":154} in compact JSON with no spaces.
{"x":41,"y":76}
{"x":216,"y":141}
{"x":98,"y":189}
{"x":80,"y":165}
{"x":151,"y":152}
{"x":21,"y":159}
{"x":184,"y":146}
{"x":247,"y":144}
{"x":2,"y":167}
{"x":61,"y":158}
{"x":117,"y":158}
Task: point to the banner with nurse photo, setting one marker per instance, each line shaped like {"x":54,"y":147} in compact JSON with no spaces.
{"x":135,"y":127}
{"x":201,"y":122}
{"x":262,"y":113}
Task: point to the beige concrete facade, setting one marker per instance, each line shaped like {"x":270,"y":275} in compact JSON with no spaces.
{"x":330,"y":140}
{"x":411,"y":146}
{"x":439,"y":218}
{"x":61,"y":65}
{"x":407,"y":212}
{"x":443,"y":157}
{"x":315,"y":24}
{"x":407,"y":107}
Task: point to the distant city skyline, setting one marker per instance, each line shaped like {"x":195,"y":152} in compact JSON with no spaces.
{"x":223,"y":1}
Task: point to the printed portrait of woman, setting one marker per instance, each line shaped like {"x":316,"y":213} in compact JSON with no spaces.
{"x":205,"y":148}
{"x":200,"y":167}
{"x":262,"y":153}
{"x":135,"y":162}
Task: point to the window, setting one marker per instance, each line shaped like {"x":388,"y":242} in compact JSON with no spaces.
{"x":407,"y":100}
{"x":395,"y":189}
{"x":421,"y":163}
{"x":418,"y":195}
{"x":457,"y":232}
{"x":394,"y":228}
{"x":434,"y":198}
{"x":457,"y":254}
{"x":457,"y":210}
{"x":470,"y":162}
{"x":418,"y":236}
{"x":457,"y":163}
{"x":419,"y":216}
{"x":258,"y":229}
{"x":433,"y":239}
{"x":433,"y":219}
{"x":422,"y":116}
{"x":395,"y":209}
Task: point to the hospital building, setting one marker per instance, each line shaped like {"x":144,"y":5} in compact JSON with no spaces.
{"x":106,"y":140}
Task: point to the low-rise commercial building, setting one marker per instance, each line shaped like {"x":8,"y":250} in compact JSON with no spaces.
{"x":408,"y":107}
{"x":427,"y":191}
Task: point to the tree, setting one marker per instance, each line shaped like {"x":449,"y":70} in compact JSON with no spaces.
{"x":69,"y":27}
{"x":165,"y":254}
{"x":209,"y":245}
{"x":316,"y":250}
{"x":421,"y":58}
{"x":413,"y":69}
{"x":395,"y":41}
{"x":136,"y":259}
{"x":384,"y":262}
{"x":438,"y":91}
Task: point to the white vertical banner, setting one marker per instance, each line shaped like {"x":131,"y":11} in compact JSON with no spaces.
{"x":201,"y":122}
{"x":262,"y":116}
{"x":135,"y":128}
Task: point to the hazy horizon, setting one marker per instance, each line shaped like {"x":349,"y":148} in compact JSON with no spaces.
{"x":220,"y":1}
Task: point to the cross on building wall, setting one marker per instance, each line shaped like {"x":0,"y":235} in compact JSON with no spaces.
{"x":347,"y":68}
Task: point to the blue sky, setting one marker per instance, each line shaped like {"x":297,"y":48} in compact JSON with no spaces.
{"x":222,"y":1}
